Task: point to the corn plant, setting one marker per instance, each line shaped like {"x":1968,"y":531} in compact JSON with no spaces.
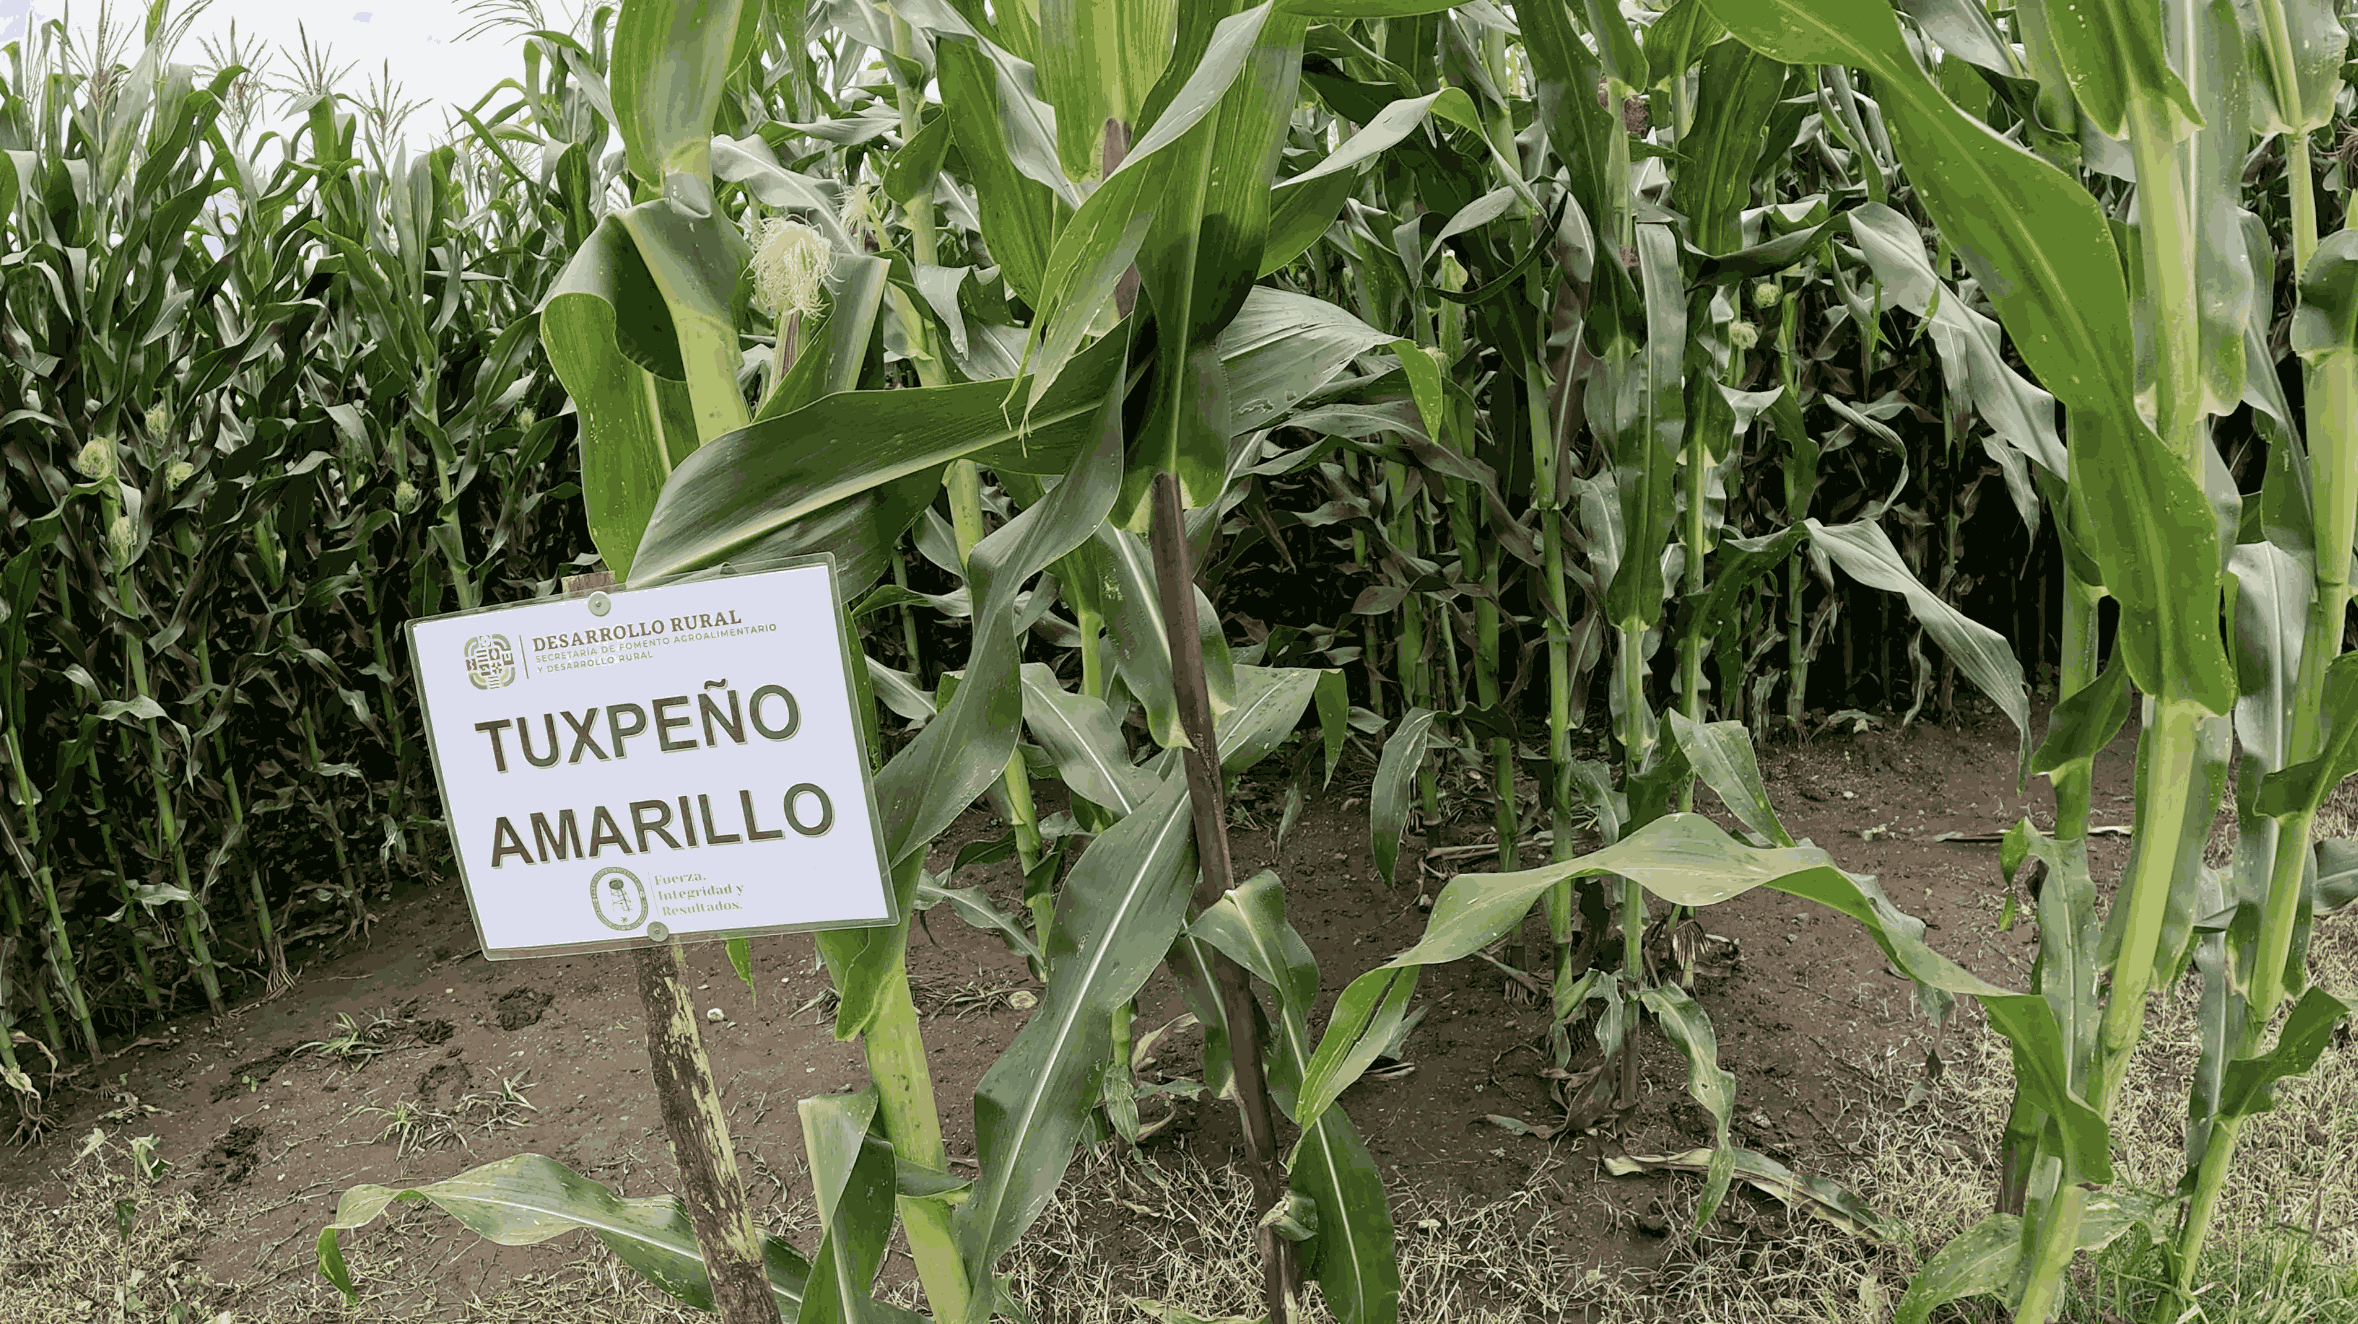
{"x":207,"y":471}
{"x":2161,"y":534}
{"x":680,"y":472}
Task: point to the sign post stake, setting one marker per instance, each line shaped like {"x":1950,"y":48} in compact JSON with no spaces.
{"x":628,"y":769}
{"x":699,"y":1129}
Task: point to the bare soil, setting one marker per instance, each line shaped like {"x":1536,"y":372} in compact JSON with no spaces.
{"x":266,"y":1127}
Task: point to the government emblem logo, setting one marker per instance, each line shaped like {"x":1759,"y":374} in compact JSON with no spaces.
{"x":618,"y":899}
{"x":491,"y":661}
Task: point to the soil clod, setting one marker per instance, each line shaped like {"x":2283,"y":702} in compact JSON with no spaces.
{"x":232,"y":1159}
{"x":444,"y":1081}
{"x":519,"y":1007}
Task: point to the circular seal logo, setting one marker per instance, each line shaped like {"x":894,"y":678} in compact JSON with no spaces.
{"x":618,"y":899}
{"x":491,"y":661}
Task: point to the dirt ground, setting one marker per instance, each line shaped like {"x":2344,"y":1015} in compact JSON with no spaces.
{"x":448,"y":1060}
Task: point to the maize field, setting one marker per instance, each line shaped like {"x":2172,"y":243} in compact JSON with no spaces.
{"x":1508,"y":427}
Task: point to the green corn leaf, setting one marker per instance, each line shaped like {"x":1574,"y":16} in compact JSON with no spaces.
{"x":1189,"y":962}
{"x":695,"y":259}
{"x":527,"y":1199}
{"x":2068,"y":970}
{"x":1025,"y":126}
{"x":2250,"y":1085}
{"x":669,"y":65}
{"x":761,"y":478}
{"x":2336,"y":883}
{"x":2284,"y":489}
{"x":750,"y":162}
{"x":960,"y":753}
{"x":1395,"y":786}
{"x":2113,"y":53}
{"x":1972,"y":360}
{"x":1617,"y":47}
{"x":1118,"y":912}
{"x":1304,"y":205}
{"x":1084,"y":736}
{"x":1334,"y":718}
{"x":1984,"y":1259}
{"x":2295,"y":75}
{"x":1122,"y":568}
{"x":1018,"y":212}
{"x":1980,"y":1261}
{"x":754,"y":483}
{"x":1565,"y":74}
{"x":1647,"y":435}
{"x":2325,"y":335}
{"x":864,"y":962}
{"x":1708,"y":1083}
{"x":853,"y":1181}
{"x":1721,"y":754}
{"x":1424,"y":383}
{"x":2223,"y":271}
{"x":1203,"y":252}
{"x":1267,"y":706}
{"x":2326,"y":321}
{"x":1738,"y":565}
{"x":918,"y":161}
{"x":2227,"y":945}
{"x":1248,"y":925}
{"x":1352,"y":1249}
{"x":1098,"y":60}
{"x":1350,"y":9}
{"x":1865,"y":553}
{"x":967,"y":747}
{"x":2084,"y":723}
{"x":740,"y":950}
{"x":835,"y":349}
{"x":1687,"y":860}
{"x":1357,"y":1262}
{"x":2275,"y":590}
{"x":1280,"y":348}
{"x":1739,"y":89}
{"x":1367,"y":1018}
{"x":608,"y":333}
{"x":974,"y":906}
{"x":2302,"y":787}
{"x":12,"y":165}
{"x":1963,"y":29}
{"x":1679,"y":38}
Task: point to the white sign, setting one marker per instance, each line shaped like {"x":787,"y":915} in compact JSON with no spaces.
{"x":629,"y":765}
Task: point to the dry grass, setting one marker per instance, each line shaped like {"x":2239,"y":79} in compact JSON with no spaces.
{"x":1175,"y":1231}
{"x":413,"y":1127}
{"x":983,"y":993}
{"x":112,"y":1249}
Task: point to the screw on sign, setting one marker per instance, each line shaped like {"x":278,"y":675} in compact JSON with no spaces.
{"x":660,"y":755}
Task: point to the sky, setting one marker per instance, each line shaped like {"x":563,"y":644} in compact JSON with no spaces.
{"x":418,"y":39}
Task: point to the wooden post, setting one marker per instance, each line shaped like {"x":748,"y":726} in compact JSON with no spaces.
{"x":1207,"y":800}
{"x":698,"y":1128}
